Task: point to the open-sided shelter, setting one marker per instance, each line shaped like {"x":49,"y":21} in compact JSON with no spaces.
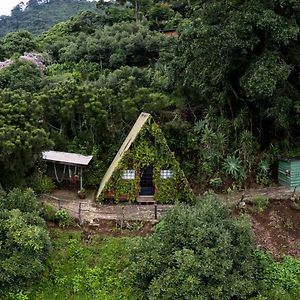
{"x":67,"y":166}
{"x":145,"y":166}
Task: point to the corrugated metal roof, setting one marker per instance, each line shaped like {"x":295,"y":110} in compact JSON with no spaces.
{"x":67,"y":158}
{"x":143,"y":117}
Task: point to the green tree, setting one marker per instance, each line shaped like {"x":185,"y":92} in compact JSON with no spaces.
{"x":236,"y":56}
{"x":21,"y":75}
{"x":18,"y":43}
{"x":21,"y":134}
{"x":196,"y":252}
{"x":38,"y":16}
{"x":113,"y":46}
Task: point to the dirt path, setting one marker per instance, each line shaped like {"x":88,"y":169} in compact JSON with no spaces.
{"x":88,"y":211}
{"x":272,"y":193}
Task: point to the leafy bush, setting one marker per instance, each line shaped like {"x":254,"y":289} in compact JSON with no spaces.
{"x":42,"y":184}
{"x":195,"y":253}
{"x":63,"y":218}
{"x":25,"y":201}
{"x":278,"y":280}
{"x":48,"y":212}
{"x":215,"y":182}
{"x":263,"y":172}
{"x":24,"y":240}
{"x":260,"y":203}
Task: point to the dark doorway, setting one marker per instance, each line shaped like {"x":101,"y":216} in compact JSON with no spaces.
{"x":147,"y":186}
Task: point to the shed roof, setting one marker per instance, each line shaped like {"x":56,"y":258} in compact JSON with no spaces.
{"x":135,"y":130}
{"x":67,"y":158}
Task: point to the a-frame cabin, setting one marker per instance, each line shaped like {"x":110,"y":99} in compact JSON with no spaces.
{"x":145,"y":167}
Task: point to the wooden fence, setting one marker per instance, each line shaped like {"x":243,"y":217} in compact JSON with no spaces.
{"x":88,"y":211}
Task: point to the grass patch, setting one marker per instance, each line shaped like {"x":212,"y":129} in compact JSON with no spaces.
{"x":85,"y":271}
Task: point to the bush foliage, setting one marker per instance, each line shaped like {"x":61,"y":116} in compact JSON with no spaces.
{"x":24,"y":240}
{"x":196,"y":252}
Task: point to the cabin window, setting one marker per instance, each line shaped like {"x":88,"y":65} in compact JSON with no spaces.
{"x":129,"y":174}
{"x":165,"y":174}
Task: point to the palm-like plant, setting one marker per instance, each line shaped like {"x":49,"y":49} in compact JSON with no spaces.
{"x":263,"y":172}
{"x":232,"y":167}
{"x":263,"y":167}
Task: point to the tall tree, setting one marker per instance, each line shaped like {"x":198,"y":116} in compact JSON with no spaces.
{"x":244,"y":56}
{"x":21,"y":134}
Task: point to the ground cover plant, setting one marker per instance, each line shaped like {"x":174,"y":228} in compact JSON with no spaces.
{"x":80,"y":269}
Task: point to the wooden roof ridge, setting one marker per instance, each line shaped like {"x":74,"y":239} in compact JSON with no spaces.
{"x":134,"y":132}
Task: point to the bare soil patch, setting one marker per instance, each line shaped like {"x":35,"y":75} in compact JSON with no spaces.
{"x":277,"y":228}
{"x":109,"y":228}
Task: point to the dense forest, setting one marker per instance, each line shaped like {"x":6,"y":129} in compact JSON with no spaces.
{"x":37,"y":16}
{"x":224,"y":90}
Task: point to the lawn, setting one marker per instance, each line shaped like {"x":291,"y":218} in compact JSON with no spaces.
{"x":81,"y":269}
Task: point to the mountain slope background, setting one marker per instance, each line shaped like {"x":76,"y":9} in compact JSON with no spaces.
{"x":39,"y":15}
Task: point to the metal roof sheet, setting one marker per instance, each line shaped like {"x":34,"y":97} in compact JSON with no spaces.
{"x":67,"y":158}
{"x":135,"y":130}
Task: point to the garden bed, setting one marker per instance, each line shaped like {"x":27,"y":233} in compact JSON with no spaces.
{"x":277,"y":228}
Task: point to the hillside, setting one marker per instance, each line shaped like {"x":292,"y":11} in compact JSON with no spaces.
{"x":38,"y":16}
{"x":223,"y":91}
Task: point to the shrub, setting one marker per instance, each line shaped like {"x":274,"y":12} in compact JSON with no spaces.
{"x":196,"y":252}
{"x":278,"y":280}
{"x":263,"y":172}
{"x":48,"y":212}
{"x":260,"y":203}
{"x":42,"y":184}
{"x":215,"y":182}
{"x":25,"y":201}
{"x":63,"y":218}
{"x":24,"y":240}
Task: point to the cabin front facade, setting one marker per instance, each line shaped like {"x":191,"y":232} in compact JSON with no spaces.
{"x":145,"y":167}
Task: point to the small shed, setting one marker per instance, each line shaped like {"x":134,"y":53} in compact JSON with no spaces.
{"x":67,"y":166}
{"x":289,"y":172}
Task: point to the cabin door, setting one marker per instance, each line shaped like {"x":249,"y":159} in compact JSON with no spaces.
{"x":147,"y":186}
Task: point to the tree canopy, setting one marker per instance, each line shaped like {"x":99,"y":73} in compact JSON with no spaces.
{"x":225,"y":91}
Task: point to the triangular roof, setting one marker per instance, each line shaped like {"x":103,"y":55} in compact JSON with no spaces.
{"x":135,"y":130}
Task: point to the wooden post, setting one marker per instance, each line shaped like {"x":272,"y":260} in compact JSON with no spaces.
{"x":59,"y":205}
{"x":81,"y":180}
{"x":155,"y":211}
{"x":79,"y":212}
{"x":123,"y":217}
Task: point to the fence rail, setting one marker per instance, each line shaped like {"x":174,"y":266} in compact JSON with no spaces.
{"x":88,"y":211}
